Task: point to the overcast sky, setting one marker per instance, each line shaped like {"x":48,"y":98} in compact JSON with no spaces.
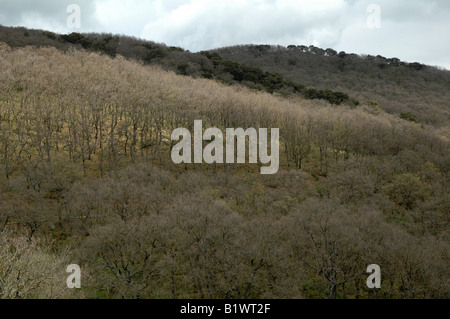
{"x":412,"y":30}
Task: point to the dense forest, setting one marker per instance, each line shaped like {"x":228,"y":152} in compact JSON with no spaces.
{"x":414,"y":91}
{"x":203,"y":64}
{"x":86,"y":177}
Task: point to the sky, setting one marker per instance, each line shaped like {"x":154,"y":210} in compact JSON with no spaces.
{"x":412,"y":30}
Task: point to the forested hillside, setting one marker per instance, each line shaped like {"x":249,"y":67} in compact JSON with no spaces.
{"x":197,"y":65}
{"x":412,"y":91}
{"x":86,"y":175}
{"x":416,"y":92}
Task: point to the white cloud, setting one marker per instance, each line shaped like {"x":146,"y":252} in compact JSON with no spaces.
{"x":204,"y":24}
{"x":131,"y":16}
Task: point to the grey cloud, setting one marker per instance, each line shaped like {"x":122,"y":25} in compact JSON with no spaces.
{"x":410,"y":30}
{"x":50,"y":13}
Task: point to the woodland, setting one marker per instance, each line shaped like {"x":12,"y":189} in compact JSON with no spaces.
{"x":86,"y":175}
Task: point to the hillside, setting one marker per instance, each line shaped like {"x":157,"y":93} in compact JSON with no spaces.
{"x":197,"y":65}
{"x":86,"y":177}
{"x":412,"y":91}
{"x":396,"y":86}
